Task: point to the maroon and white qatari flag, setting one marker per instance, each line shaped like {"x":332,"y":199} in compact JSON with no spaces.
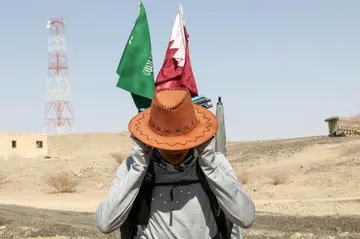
{"x":176,"y":70}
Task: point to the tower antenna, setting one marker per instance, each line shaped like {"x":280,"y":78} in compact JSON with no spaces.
{"x":59,"y":114}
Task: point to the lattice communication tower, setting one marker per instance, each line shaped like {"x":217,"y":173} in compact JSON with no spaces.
{"x":59,"y":114}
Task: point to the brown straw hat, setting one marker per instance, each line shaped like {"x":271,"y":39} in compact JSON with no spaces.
{"x":173,"y":122}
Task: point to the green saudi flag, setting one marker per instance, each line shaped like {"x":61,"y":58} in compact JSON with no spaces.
{"x":135,"y":70}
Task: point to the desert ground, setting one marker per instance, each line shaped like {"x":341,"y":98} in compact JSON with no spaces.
{"x":302,"y":187}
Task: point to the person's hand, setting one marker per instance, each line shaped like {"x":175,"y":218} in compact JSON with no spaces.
{"x":207,"y":147}
{"x":138,"y":144}
{"x":141,"y":152}
{"x":206,"y":152}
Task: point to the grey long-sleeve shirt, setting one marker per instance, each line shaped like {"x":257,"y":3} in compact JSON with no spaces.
{"x":191,"y":215}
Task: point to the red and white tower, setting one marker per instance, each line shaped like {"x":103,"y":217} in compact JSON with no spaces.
{"x":59,"y":114}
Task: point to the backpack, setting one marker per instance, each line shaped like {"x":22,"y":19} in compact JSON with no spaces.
{"x":139,"y":214}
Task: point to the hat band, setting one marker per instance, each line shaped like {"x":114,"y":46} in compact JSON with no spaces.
{"x":172,"y":131}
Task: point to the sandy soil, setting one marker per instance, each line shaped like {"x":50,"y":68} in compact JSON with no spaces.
{"x":303,"y":188}
{"x":25,"y":222}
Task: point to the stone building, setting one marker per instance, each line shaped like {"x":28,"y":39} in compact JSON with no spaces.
{"x":22,"y":145}
{"x":342,"y":126}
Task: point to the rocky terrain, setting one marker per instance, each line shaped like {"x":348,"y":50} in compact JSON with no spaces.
{"x":303,"y":187}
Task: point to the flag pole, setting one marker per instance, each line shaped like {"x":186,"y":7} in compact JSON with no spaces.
{"x":182,"y":21}
{"x":181,"y":12}
{"x":139,"y":2}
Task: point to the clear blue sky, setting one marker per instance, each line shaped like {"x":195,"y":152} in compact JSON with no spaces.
{"x":281,"y":66}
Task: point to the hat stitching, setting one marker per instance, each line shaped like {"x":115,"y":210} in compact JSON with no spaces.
{"x":179,"y":130}
{"x":159,"y":104}
{"x":208,"y":125}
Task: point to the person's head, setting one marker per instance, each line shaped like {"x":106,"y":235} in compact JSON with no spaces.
{"x":173,"y":124}
{"x":174,"y":157}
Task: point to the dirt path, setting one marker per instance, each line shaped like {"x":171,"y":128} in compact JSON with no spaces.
{"x":25,"y":222}
{"x":345,"y":199}
{"x":83,"y":204}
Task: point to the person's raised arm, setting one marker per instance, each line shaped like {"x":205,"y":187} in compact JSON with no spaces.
{"x":233,"y":200}
{"x":114,"y":209}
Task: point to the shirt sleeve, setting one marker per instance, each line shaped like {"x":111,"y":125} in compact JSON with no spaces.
{"x":114,"y":209}
{"x":233,"y":200}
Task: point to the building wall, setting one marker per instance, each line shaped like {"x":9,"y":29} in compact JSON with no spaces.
{"x":22,"y":145}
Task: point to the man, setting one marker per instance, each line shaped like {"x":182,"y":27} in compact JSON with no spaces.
{"x":175,"y":185}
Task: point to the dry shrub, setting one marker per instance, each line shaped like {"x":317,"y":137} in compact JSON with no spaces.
{"x":243,"y":178}
{"x":118,"y":157}
{"x":3,"y":180}
{"x":62,"y":181}
{"x":279,"y":177}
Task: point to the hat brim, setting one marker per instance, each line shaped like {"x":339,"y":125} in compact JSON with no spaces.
{"x":205,"y":129}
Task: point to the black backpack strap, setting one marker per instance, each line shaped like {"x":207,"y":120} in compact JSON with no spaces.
{"x":223,"y":223}
{"x":139,"y":214}
{"x":145,"y":193}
